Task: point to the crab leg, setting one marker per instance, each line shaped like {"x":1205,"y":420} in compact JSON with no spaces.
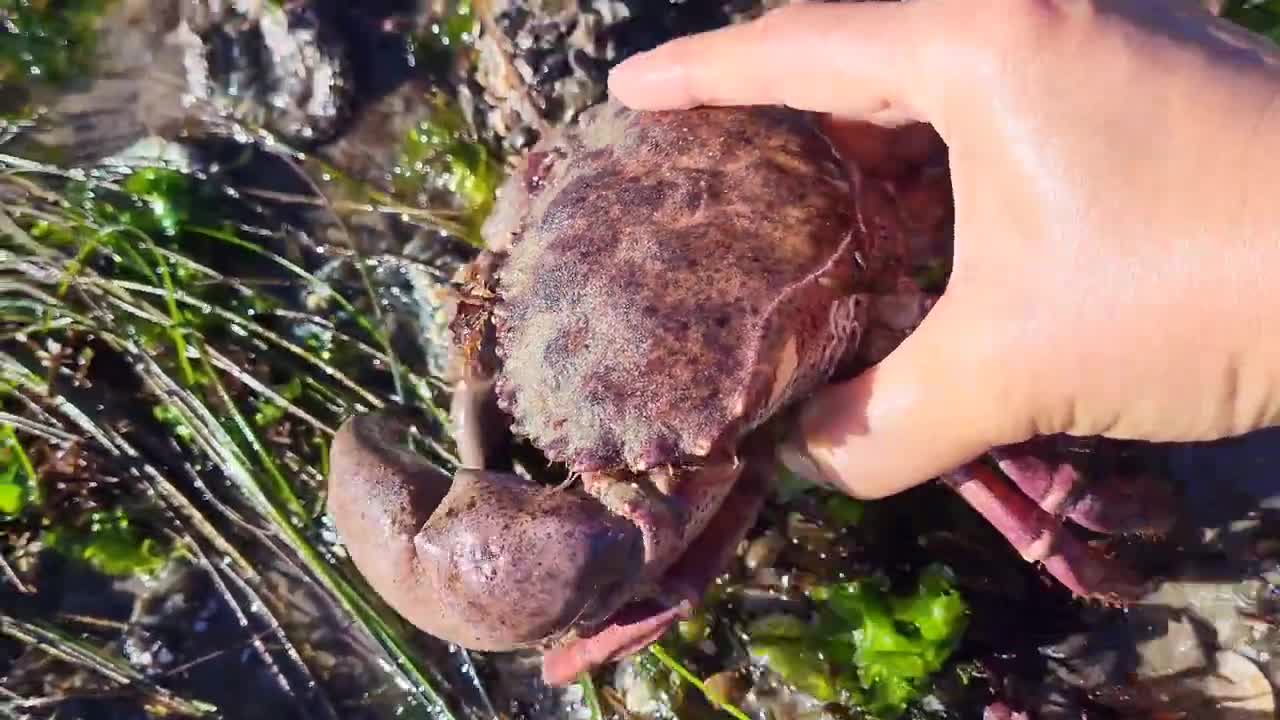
{"x":1040,"y":537}
{"x":480,"y":431}
{"x":1059,"y":473}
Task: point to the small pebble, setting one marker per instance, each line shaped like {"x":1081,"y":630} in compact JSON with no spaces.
{"x":728,"y":686}
{"x":808,"y":534}
{"x":763,"y":552}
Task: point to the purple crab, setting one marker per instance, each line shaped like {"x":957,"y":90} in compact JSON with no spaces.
{"x":659,"y":291}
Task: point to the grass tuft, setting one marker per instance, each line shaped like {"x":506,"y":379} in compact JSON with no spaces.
{"x":134,"y":282}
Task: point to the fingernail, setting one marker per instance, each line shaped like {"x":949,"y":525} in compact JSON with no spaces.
{"x":645,"y":82}
{"x":626,"y":71}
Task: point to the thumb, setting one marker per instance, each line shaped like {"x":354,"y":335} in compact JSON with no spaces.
{"x":935,"y":403}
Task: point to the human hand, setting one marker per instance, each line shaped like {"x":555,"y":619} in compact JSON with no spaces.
{"x":1115,"y":207}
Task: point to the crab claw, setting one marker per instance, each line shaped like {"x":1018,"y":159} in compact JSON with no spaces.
{"x":487,"y":560}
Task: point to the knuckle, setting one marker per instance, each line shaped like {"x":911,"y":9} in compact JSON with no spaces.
{"x":986,"y":40}
{"x":1014,"y":22}
{"x":777,"y":21}
{"x":800,"y":17}
{"x":784,"y":13}
{"x":1030,"y":23}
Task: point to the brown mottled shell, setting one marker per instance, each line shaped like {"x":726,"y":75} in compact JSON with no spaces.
{"x":672,"y":280}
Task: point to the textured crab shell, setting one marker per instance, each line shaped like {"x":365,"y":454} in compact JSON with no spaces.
{"x":672,"y":280}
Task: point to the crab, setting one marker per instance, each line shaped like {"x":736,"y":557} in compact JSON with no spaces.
{"x":659,"y":292}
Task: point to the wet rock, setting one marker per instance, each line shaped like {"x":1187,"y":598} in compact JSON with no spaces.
{"x":542,"y":62}
{"x":1205,"y":641}
{"x":370,"y":148}
{"x":1236,"y":690}
{"x":647,"y":688}
{"x":177,"y":629}
{"x":132,"y":89}
{"x":281,"y":66}
{"x":435,"y":297}
{"x":1075,"y":669}
{"x":769,"y":697}
{"x":513,"y":682}
{"x":728,"y":686}
{"x":1197,"y":614}
{"x":1177,"y":645}
{"x":177,"y":68}
{"x":764,"y":602}
{"x":1197,"y":644}
{"x":763,"y":552}
{"x":151,"y":152}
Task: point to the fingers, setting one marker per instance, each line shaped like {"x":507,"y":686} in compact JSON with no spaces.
{"x":860,"y":60}
{"x":925,"y":409}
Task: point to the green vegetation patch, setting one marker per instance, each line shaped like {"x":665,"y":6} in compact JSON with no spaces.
{"x":440,"y":153}
{"x":47,"y":41}
{"x":19,"y":488}
{"x":1260,"y":16}
{"x":111,"y":544}
{"x":868,"y":647}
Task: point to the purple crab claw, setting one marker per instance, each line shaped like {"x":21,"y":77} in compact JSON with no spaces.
{"x":487,"y":560}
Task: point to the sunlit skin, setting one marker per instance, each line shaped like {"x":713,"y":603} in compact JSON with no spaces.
{"x":1117,"y":233}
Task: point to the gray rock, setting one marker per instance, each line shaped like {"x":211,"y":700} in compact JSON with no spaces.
{"x":542,"y":62}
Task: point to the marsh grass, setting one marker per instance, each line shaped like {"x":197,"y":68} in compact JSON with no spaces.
{"x":1260,"y":16}
{"x":176,"y":350}
{"x":73,"y":650}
